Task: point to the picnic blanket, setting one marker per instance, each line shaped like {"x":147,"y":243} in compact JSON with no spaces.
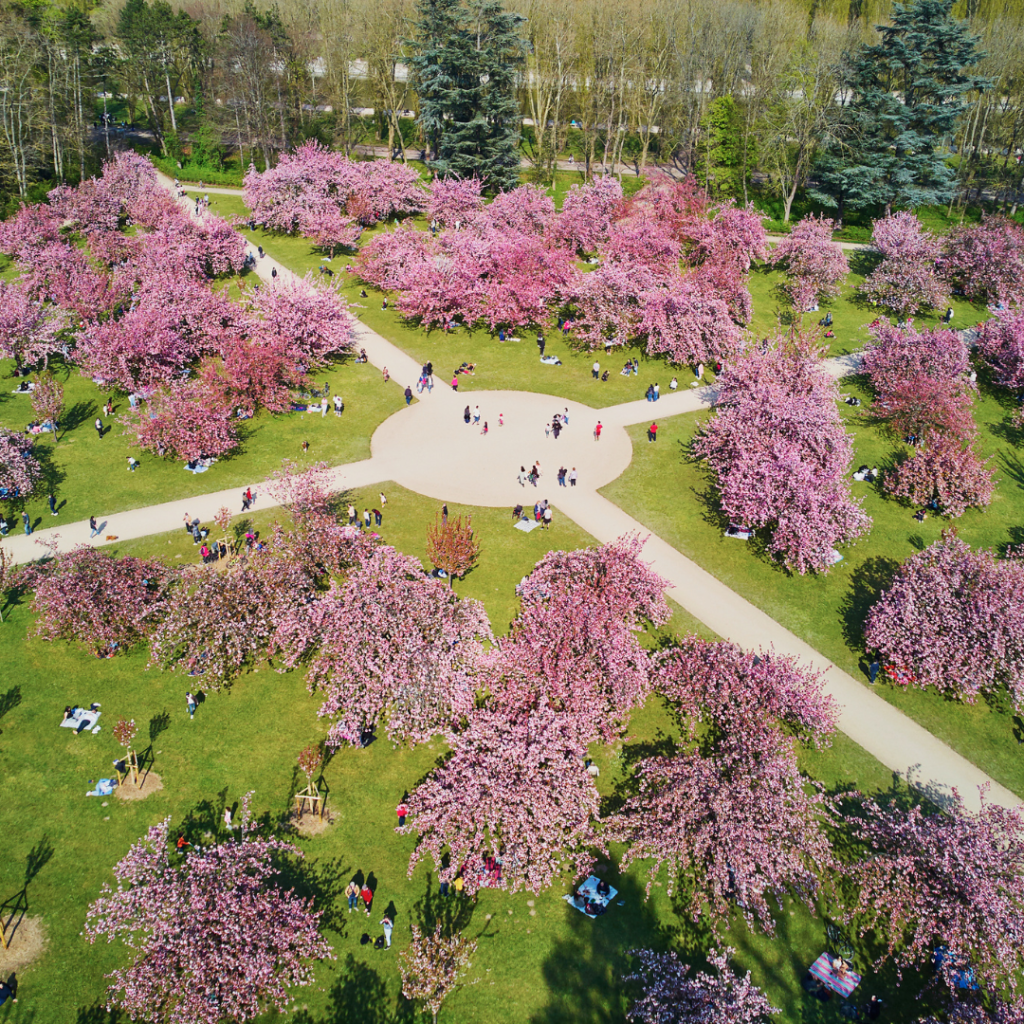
{"x":589,"y":891}
{"x":196,"y":469}
{"x":104,"y":787}
{"x":526,"y":525}
{"x":82,"y":719}
{"x":842,"y":985}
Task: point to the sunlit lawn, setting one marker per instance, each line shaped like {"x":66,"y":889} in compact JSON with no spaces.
{"x":538,"y":960}
{"x":89,"y":475}
{"x":670,"y":495}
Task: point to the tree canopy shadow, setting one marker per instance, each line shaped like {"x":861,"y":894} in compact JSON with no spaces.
{"x":360,"y":996}
{"x":867,"y":582}
{"x":453,"y":912}
{"x":583,"y":972}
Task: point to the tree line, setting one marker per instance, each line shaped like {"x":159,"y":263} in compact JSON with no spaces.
{"x":760,"y":98}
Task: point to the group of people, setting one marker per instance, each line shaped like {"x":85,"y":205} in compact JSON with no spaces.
{"x":541,"y":512}
{"x":653,"y":392}
{"x":865,"y":474}
{"x":558,"y":423}
{"x":427,"y":378}
{"x":364,"y":522}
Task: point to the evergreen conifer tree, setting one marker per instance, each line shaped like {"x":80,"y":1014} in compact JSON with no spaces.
{"x":909,"y":90}
{"x":466,"y":62}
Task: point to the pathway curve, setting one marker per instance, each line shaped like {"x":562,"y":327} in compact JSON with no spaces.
{"x":429,"y":449}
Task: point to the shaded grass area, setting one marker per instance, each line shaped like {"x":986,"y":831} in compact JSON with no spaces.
{"x":538,"y":960}
{"x":673,"y":497}
{"x":89,"y":475}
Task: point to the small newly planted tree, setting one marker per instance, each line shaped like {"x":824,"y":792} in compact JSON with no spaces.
{"x":48,"y":400}
{"x":124,"y":733}
{"x":433,"y":965}
{"x":451,"y":545}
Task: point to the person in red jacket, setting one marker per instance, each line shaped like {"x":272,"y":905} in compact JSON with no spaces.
{"x":652,"y":432}
{"x":401,"y":810}
{"x":367,"y":895}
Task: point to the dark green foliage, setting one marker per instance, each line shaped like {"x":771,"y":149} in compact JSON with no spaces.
{"x":910,"y":90}
{"x":466,"y":62}
{"x":720,"y":156}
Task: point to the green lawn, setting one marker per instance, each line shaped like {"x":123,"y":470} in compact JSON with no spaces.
{"x":851,"y":312}
{"x":670,"y":496}
{"x":538,"y":960}
{"x":89,"y":475}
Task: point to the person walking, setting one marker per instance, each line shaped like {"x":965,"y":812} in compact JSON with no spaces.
{"x":93,"y":526}
{"x":99,"y":427}
{"x":484,"y":429}
{"x":556,"y":427}
{"x":383,"y":500}
{"x":476,"y":415}
{"x":467,"y":416}
{"x":873,"y":671}
{"x":352,"y":893}
{"x":367,"y":894}
{"x":597,"y":431}
{"x":133,"y":463}
{"x":52,"y":502}
{"x":402,"y":811}
{"x":387,"y":925}
{"x":657,"y":392}
{"x":248,"y":495}
{"x":541,"y":343}
{"x":572,"y":477}
{"x":27,"y":523}
{"x":408,"y":395}
{"x":246,"y":503}
{"x":385,"y":375}
{"x":547,"y":517}
{"x":652,"y":432}
{"x":366,"y":518}
{"x":190,"y":703}
{"x":455,"y":383}
{"x":561,"y":476}
{"x":522,"y":478}
{"x":377,"y":516}
{"x":352,"y":515}
{"x":595,"y":370}
{"x":444,"y":513}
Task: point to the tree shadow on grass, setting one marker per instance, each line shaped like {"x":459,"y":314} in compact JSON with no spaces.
{"x":867,"y":582}
{"x":75,"y":415}
{"x":360,"y":996}
{"x":660,"y":745}
{"x":453,"y":912}
{"x":583,"y":972}
{"x":99,"y":1014}
{"x":10,"y":700}
{"x":1012,"y":464}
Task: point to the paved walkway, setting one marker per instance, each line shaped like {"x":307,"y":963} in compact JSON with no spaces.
{"x":428,"y":448}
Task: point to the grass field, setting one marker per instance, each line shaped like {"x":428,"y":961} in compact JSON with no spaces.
{"x":89,"y":475}
{"x":538,"y":960}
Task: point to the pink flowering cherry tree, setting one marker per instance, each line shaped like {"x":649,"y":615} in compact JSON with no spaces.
{"x":781,"y":456}
{"x":107,"y":604}
{"x":514,"y":789}
{"x":212,"y":934}
{"x":689,"y":323}
{"x":670,"y":995}
{"x":953,"y":618}
{"x":947,"y":471}
{"x":814,"y":264}
{"x":574,"y":645}
{"x":907,"y":279}
{"x":388,"y":645}
{"x":729,"y":817}
{"x":183,"y":421}
{"x":19,"y":468}
{"x":946,"y":878}
{"x":587,"y":213}
{"x":986,"y":260}
{"x":30,"y":330}
{"x":897,"y":355}
{"x":1001,"y":344}
{"x":454,"y":199}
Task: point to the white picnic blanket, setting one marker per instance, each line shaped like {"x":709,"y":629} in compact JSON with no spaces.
{"x":526,"y":525}
{"x":81,"y":715}
{"x":589,"y":890}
